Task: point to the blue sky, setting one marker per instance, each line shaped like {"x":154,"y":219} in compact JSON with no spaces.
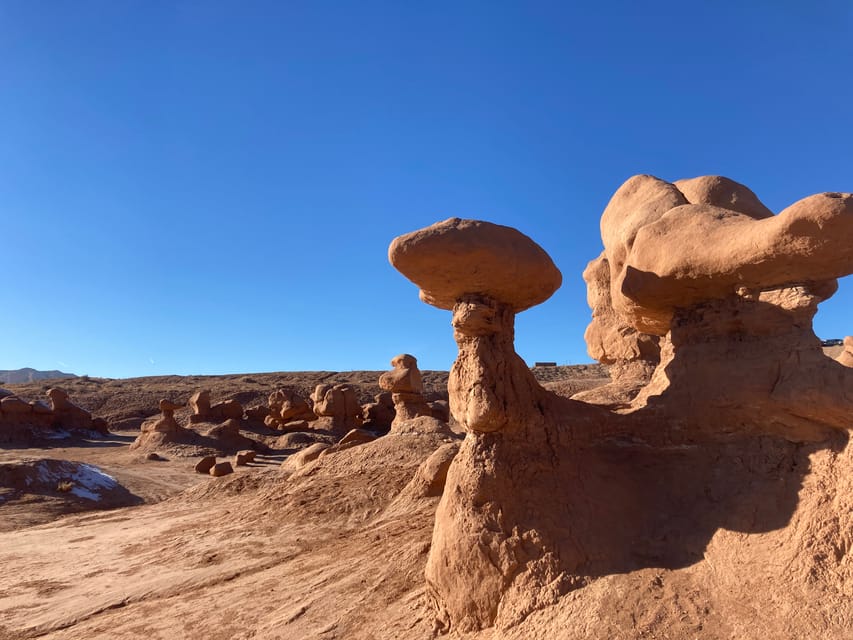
{"x":211,"y":187}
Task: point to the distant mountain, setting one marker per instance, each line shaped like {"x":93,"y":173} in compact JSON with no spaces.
{"x":30,"y":375}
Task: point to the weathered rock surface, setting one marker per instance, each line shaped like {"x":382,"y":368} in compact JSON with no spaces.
{"x":244,"y":457}
{"x":631,"y":355}
{"x":337,"y":408}
{"x":379,"y":414}
{"x":205,"y":464}
{"x":457,"y":257}
{"x":406,"y":387}
{"x":221,"y":469}
{"x":204,"y":411}
{"x":287,"y":407}
{"x":846,"y":356}
{"x":703,"y":469}
{"x":301,"y":458}
{"x":722,"y":281}
{"x":37,"y":419}
{"x":67,"y":414}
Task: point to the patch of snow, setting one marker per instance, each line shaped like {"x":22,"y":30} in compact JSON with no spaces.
{"x":54,"y":434}
{"x":82,"y":492}
{"x":88,"y":481}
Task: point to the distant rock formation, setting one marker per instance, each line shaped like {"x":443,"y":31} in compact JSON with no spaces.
{"x":288,"y":409}
{"x":20,"y":419}
{"x":406,"y":387}
{"x":204,"y":411}
{"x":846,"y":356}
{"x":337,"y":408}
{"x":379,"y":414}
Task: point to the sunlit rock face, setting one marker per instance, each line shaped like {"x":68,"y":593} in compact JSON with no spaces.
{"x":708,"y":450}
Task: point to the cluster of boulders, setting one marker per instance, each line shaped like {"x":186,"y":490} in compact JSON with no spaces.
{"x":209,"y":466}
{"x":204,"y":411}
{"x":224,"y":420}
{"x":288,"y":411}
{"x":60,"y":413}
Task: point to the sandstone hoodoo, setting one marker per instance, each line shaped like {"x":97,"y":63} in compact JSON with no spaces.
{"x":702,"y":264}
{"x":631,"y":355}
{"x":485,"y":273}
{"x":162,"y":429}
{"x":732,"y":442}
{"x":406,"y":387}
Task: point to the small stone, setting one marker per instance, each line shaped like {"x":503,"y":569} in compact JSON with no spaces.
{"x":205,"y":464}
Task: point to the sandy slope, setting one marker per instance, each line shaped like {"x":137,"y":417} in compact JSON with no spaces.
{"x":249,"y":556}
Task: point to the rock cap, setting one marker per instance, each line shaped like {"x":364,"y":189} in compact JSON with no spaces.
{"x":457,"y":257}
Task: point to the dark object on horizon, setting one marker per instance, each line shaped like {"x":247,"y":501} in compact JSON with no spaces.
{"x":544,"y":364}
{"x":835,"y":342}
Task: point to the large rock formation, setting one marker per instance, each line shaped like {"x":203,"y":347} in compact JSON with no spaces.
{"x":548,"y":495}
{"x":337,"y":408}
{"x":286,"y":407}
{"x":703,"y":264}
{"x":406,"y":387}
{"x":204,"y":411}
{"x":20,"y":419}
{"x":68,"y":415}
{"x":486,"y":274}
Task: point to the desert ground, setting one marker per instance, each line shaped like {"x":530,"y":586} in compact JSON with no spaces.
{"x":166,"y":552}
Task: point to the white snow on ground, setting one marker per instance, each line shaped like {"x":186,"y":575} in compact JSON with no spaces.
{"x":88,"y":481}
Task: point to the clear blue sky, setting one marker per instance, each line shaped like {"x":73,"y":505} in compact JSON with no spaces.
{"x":211,"y":187}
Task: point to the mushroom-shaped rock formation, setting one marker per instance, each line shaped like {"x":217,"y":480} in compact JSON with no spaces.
{"x":703,"y":264}
{"x":485,"y":273}
{"x":406,"y":387}
{"x":166,"y":423}
{"x":162,"y":429}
